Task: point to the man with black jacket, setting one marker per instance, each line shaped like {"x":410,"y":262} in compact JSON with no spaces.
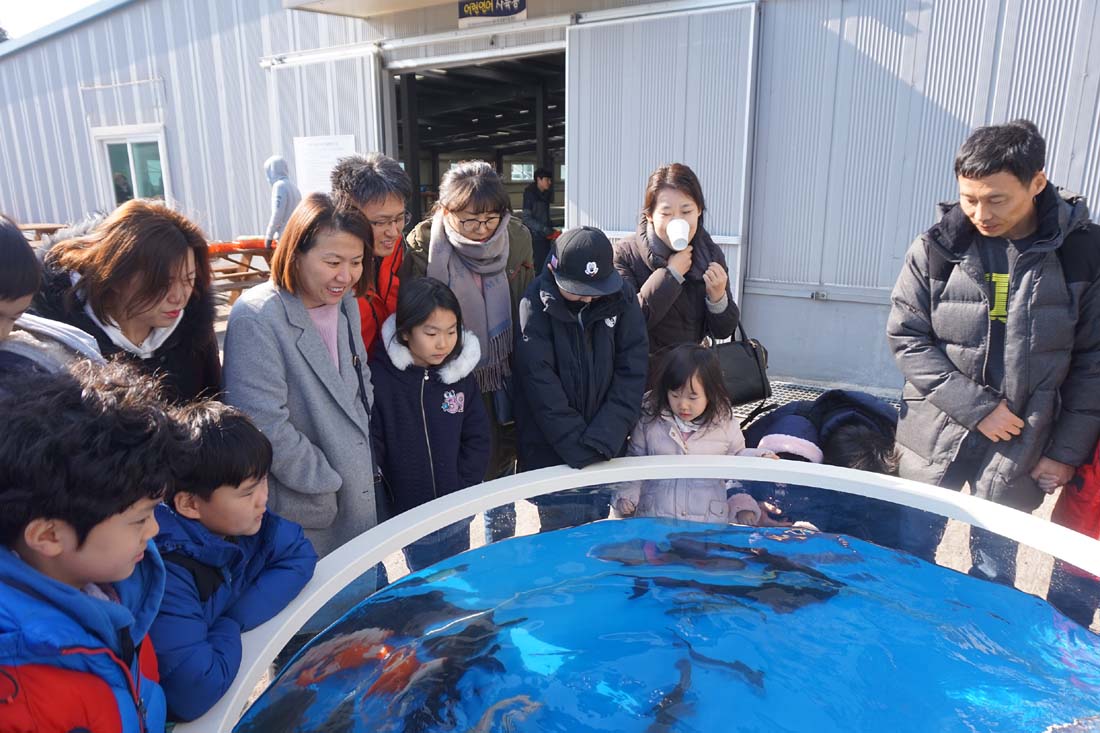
{"x":537,"y":197}
{"x":995,"y":326}
{"x":580,"y":368}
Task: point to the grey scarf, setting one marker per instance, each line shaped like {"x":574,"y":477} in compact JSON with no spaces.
{"x":486,"y":310}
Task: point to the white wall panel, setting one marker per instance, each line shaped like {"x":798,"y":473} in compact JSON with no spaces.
{"x":193,"y":67}
{"x":648,"y":92}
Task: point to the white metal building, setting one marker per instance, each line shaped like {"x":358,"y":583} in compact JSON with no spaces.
{"x":823,"y":130}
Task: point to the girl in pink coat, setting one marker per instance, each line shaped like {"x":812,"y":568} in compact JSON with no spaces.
{"x":688,"y":412}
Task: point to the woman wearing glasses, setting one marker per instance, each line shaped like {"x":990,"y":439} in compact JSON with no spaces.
{"x":474,"y":245}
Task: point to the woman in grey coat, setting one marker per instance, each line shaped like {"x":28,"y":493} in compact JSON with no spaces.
{"x":295,"y":363}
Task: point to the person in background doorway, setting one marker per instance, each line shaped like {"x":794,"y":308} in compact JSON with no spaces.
{"x":380,"y":188}
{"x":537,"y":198}
{"x":284,"y":197}
{"x":995,"y":325}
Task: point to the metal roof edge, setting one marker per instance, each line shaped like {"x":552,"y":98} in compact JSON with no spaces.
{"x":14,"y":45}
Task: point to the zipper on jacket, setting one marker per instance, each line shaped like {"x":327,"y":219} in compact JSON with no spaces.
{"x":427,"y":440}
{"x":139,"y":704}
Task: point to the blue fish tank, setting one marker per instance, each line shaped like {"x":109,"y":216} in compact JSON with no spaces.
{"x":644,"y":624}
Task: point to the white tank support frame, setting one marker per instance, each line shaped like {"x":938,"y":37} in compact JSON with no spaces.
{"x":345,"y":564}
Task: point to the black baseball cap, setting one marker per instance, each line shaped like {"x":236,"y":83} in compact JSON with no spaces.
{"x":582,"y":263}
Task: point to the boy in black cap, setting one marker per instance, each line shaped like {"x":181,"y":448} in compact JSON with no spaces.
{"x":580,"y":367}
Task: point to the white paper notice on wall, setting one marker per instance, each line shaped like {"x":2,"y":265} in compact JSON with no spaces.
{"x":315,"y":157}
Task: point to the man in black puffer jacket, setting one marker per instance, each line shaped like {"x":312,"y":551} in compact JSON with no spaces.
{"x":580,"y":367}
{"x":995,"y":326}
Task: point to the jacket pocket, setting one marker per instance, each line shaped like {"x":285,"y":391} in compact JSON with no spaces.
{"x":312,"y":511}
{"x":920,"y":426}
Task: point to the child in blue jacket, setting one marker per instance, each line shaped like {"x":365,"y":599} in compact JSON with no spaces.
{"x":84,"y":459}
{"x":429,"y":426}
{"x":232,"y":565}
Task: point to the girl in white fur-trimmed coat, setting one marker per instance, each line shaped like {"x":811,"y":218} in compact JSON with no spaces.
{"x":429,"y":426}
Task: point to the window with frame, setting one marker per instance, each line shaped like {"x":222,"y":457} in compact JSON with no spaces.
{"x":522,"y":172}
{"x":136,"y":169}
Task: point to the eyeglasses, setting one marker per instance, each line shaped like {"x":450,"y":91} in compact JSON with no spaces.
{"x":473,"y":226}
{"x":401,"y":220}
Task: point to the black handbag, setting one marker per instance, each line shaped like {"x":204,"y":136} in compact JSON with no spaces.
{"x":745,"y":370}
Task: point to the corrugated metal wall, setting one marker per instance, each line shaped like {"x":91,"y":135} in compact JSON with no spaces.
{"x":677,"y":94}
{"x":858,"y":130}
{"x":193,"y":66}
{"x":861,"y":107}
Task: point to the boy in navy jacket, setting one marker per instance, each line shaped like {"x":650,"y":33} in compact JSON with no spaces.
{"x":232,"y":565}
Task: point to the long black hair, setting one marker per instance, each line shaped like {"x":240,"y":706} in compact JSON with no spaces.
{"x":675,"y":370}
{"x":417,"y":300}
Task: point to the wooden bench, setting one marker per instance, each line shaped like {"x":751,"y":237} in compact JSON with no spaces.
{"x":233,"y":267}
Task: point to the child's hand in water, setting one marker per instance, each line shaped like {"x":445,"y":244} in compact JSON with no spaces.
{"x":767,"y":509}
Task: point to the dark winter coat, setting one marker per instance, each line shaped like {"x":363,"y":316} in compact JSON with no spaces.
{"x":429,"y":426}
{"x":579,"y":376}
{"x":939,"y":330}
{"x":536,"y":212}
{"x":187,"y":362}
{"x":815,"y":420}
{"x":215,"y":589}
{"x":675,"y":312}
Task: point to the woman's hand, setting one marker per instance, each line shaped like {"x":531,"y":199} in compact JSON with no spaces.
{"x":715,"y":279}
{"x":681,"y":261}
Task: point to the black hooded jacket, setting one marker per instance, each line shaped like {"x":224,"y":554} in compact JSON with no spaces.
{"x":187,"y":362}
{"x":579,"y":376}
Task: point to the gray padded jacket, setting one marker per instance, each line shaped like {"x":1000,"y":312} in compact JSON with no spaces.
{"x":939,"y":332}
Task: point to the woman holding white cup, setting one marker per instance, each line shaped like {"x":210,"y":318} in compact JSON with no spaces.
{"x":679,"y":272}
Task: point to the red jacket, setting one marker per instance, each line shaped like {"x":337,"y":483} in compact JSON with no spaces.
{"x":381,"y":300}
{"x":1078,"y":506}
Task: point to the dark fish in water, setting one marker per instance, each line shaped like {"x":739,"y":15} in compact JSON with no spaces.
{"x":755,"y":677}
{"x":672,"y":708}
{"x":780,"y":597}
{"x":409,"y":616}
{"x":637,"y":552}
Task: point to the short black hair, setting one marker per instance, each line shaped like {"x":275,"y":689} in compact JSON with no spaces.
{"x":416,"y":301}
{"x":370,"y":179}
{"x":861,"y":447}
{"x":21,"y":273}
{"x":1016,"y":147}
{"x":228,"y":450}
{"x":543,"y":173}
{"x":84,"y":445}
